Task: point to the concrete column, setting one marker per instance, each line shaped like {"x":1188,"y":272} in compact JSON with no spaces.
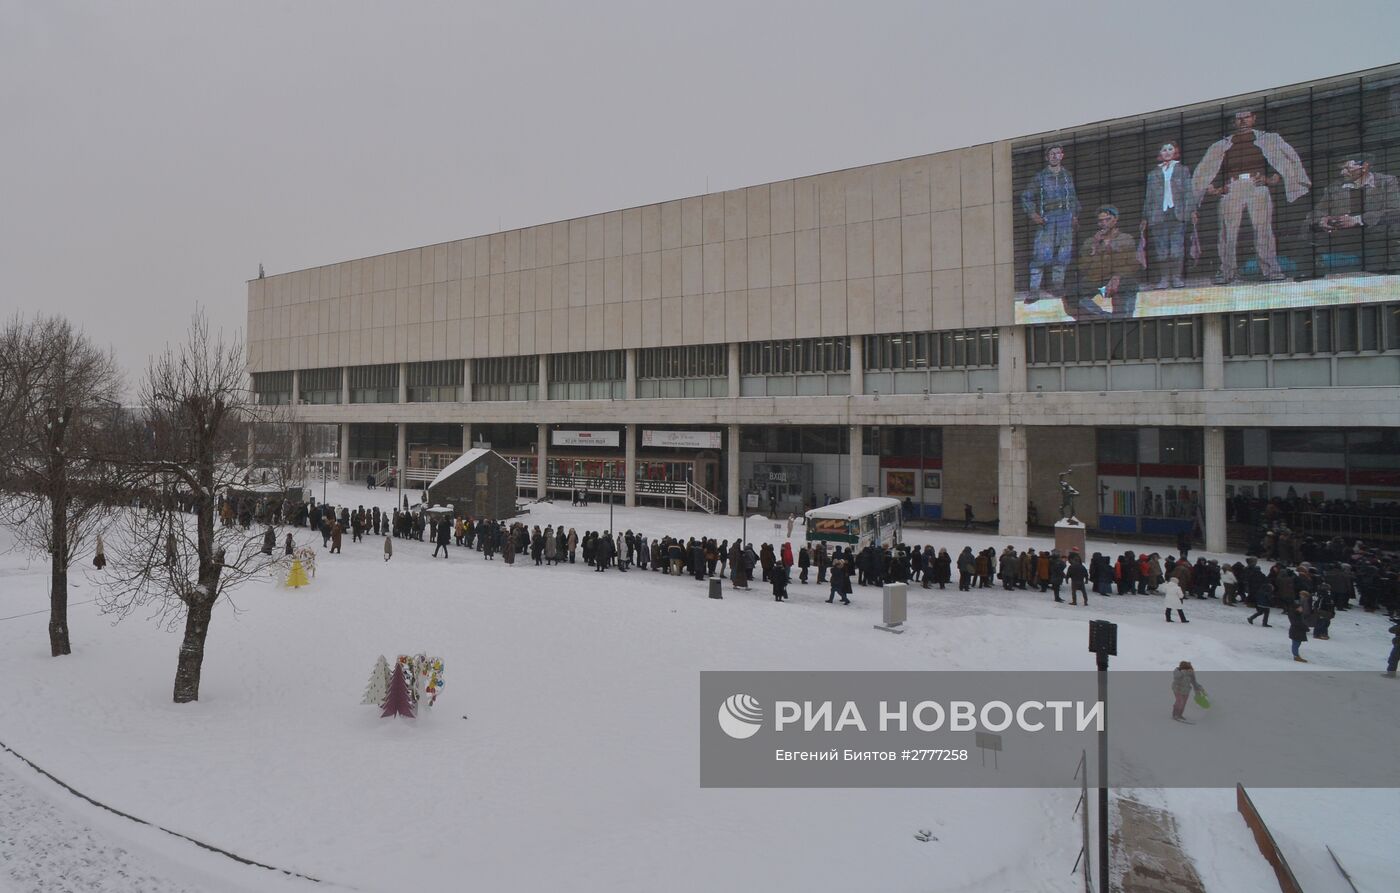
{"x":401,"y":454}
{"x":731,"y":461}
{"x":403,"y":382}
{"x":1013,"y":476}
{"x":467,"y":382}
{"x":344,"y":385}
{"x":856,"y":487}
{"x":1214,"y":488}
{"x":629,"y":387}
{"x":1213,"y":353}
{"x":544,"y":377}
{"x":1011,"y":359}
{"x":542,"y":454}
{"x":296,"y":386}
{"x":629,"y":467}
{"x":857,"y":364}
{"x":466,"y":436}
{"x":734,"y":369}
{"x":343,"y":476}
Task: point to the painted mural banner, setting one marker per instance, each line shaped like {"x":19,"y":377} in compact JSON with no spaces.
{"x":1287,"y":201}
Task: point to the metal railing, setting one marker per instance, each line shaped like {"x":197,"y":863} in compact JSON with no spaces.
{"x":683,"y":491}
{"x":1382,"y":527}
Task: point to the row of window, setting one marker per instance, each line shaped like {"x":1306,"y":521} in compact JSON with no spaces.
{"x":588,"y":366}
{"x":1152,"y":446}
{"x":931,"y":350}
{"x":374,"y":384}
{"x":319,"y":385}
{"x":1318,"y":330}
{"x":1098,"y":342}
{"x":272,"y":388}
{"x":1324,"y":330}
{"x":439,"y":381}
{"x":693,"y":361}
{"x":795,"y":355}
{"x":506,"y":370}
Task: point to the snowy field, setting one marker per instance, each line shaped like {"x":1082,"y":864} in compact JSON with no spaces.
{"x":563,"y":753}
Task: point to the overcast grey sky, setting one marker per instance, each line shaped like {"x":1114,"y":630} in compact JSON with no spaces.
{"x":154,"y":153}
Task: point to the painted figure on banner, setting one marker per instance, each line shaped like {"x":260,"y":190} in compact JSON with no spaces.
{"x":1053,"y":208}
{"x":1108,"y":272}
{"x":1239,"y":169}
{"x":1168,"y":205}
{"x":1362,"y":203}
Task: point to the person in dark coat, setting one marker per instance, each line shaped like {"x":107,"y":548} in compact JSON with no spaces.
{"x":1077,"y":574}
{"x":603,"y":549}
{"x":336,"y":533}
{"x":442,"y":537}
{"x":697,"y":559}
{"x":766,"y":560}
{"x":1393,"y":661}
{"x":840,"y":582}
{"x":1057,"y":576}
{"x":288,"y":547}
{"x":1008,"y":568}
{"x":967,"y":566}
{"x":269,"y":541}
{"x":778,"y":576}
{"x":1297,"y":631}
{"x":942,"y":569}
{"x":804,"y":562}
{"x":1263,"y":602}
{"x":740,"y":580}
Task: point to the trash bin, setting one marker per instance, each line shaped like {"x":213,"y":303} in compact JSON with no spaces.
{"x":715,"y":585}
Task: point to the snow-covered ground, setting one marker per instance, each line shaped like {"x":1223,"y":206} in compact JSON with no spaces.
{"x":564,"y":750}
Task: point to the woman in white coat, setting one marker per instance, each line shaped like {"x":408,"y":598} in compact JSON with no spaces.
{"x":1171,"y":590}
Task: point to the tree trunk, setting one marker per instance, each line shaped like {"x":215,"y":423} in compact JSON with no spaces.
{"x":58,"y":610}
{"x":58,"y":582}
{"x":192,"y":649}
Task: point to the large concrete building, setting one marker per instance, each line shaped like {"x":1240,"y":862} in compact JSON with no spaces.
{"x":873,"y":331}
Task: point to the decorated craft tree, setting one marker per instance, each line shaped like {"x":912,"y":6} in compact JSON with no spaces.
{"x":430,"y":677}
{"x":377,"y":690}
{"x":424,"y":675}
{"x":400,"y":700}
{"x":297,"y":578}
{"x":407,"y":665}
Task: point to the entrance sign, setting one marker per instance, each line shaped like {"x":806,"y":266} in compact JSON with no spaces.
{"x":584,"y":438}
{"x":682,"y":440}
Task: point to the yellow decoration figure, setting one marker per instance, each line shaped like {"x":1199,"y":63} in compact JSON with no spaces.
{"x":297,"y":578}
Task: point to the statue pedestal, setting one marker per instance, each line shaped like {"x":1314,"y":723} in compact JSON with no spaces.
{"x":1070,"y":534}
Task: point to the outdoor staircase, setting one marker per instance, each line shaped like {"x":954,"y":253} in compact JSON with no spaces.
{"x":683,"y":491}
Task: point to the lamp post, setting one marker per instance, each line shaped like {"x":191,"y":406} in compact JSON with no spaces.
{"x":744,"y":500}
{"x":1103,"y":641}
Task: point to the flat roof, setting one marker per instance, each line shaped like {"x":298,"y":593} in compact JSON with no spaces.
{"x":852,"y":507}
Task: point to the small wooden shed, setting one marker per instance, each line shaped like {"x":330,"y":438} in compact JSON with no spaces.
{"x":478,"y":484}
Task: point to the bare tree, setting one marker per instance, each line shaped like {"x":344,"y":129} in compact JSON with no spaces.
{"x":58,"y":415}
{"x":174,"y":558}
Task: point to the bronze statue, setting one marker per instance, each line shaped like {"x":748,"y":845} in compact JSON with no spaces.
{"x":1067,"y":494}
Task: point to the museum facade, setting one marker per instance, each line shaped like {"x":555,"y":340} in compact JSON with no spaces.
{"x":1186,"y":309}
